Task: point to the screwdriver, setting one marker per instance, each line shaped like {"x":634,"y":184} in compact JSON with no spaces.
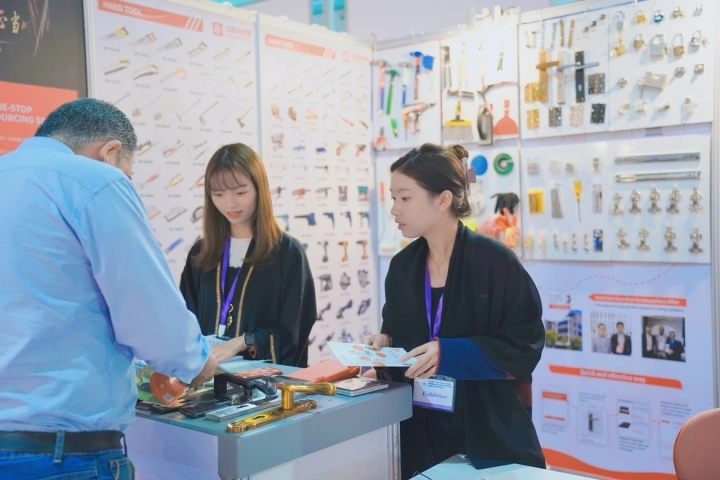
{"x":577,"y":187}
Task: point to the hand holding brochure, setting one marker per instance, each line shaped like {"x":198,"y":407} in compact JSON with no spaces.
{"x":358,"y":355}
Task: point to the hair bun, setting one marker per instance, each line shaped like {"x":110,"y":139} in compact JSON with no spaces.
{"x":459,"y":151}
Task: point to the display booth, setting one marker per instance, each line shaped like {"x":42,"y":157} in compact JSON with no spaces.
{"x":592,"y":131}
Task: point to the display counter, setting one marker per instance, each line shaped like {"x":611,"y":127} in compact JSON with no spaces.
{"x":344,"y":437}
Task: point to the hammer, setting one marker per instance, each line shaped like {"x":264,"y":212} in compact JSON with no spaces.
{"x":393,"y":73}
{"x":406,"y":73}
{"x":382,"y":65}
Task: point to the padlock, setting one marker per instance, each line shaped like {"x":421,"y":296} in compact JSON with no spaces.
{"x":658,"y":47}
{"x":640,"y":17}
{"x":658,"y":16}
{"x":639,"y":41}
{"x":621,"y":21}
{"x":679,"y":71}
{"x":619,"y":49}
{"x":678,"y":45}
{"x":699,"y":69}
{"x":697,"y":39}
{"x":678,"y":13}
{"x":621,"y":83}
{"x":690,"y":105}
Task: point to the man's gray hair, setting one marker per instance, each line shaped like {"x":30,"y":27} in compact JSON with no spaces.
{"x":87,"y":120}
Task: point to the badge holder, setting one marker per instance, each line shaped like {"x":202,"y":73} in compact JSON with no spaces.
{"x":435,"y":393}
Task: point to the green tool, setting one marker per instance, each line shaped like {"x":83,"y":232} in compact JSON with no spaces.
{"x":503,"y":164}
{"x":393,"y":73}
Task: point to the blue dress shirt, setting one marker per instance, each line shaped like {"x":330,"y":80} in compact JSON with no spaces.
{"x":84,"y":288}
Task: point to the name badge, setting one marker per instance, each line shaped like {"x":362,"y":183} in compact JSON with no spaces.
{"x":436,"y":393}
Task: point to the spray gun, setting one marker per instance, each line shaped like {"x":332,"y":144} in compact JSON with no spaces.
{"x":310,"y":217}
{"x":286,"y":220}
{"x":364,"y":247}
{"x":348,"y":215}
{"x":331,"y":216}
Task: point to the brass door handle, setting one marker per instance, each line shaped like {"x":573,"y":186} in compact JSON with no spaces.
{"x":288,"y":399}
{"x":288,"y":409}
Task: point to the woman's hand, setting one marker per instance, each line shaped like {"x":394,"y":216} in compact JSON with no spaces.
{"x":227,"y":350}
{"x":377,"y":341}
{"x":427,"y":360}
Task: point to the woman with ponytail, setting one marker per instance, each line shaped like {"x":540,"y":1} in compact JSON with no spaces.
{"x":469,"y":315}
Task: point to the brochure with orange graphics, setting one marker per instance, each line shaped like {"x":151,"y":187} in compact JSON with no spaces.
{"x":357,"y":355}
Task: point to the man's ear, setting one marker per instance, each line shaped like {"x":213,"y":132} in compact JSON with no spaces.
{"x":110,"y":152}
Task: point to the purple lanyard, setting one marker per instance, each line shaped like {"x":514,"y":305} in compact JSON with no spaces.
{"x":231,"y":294}
{"x":434,"y":329}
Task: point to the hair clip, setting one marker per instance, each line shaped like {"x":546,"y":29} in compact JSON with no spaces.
{"x":470,"y":176}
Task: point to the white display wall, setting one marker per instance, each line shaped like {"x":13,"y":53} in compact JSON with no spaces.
{"x":316,"y":138}
{"x":615,"y":186}
{"x":192,"y":78}
{"x":187,"y":80}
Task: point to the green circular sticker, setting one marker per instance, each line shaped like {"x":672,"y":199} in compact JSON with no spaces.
{"x":503,"y":164}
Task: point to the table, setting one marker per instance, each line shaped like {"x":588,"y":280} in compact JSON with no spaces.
{"x":345,"y":437}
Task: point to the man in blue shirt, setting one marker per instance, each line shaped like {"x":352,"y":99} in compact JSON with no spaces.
{"x":84,"y":289}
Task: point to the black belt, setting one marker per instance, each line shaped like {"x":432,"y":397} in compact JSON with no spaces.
{"x":75,"y":442}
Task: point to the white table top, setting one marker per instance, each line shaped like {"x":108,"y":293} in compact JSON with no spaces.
{"x":457,"y":468}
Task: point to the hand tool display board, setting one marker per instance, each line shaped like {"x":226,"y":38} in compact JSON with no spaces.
{"x":630,"y":199}
{"x":640,"y":65}
{"x":406,"y":96}
{"x":186,"y":78}
{"x":479,"y":78}
{"x":316,"y":137}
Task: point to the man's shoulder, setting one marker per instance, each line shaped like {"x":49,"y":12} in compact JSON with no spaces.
{"x":46,"y":157}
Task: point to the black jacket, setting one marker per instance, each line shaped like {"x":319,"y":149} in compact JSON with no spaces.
{"x":491,"y":300}
{"x":279,"y":307}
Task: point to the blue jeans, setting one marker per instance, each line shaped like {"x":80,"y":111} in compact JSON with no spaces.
{"x":103,"y":465}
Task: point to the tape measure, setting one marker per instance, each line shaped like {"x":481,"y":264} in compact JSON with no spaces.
{"x":503,"y":164}
{"x":480,"y":164}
